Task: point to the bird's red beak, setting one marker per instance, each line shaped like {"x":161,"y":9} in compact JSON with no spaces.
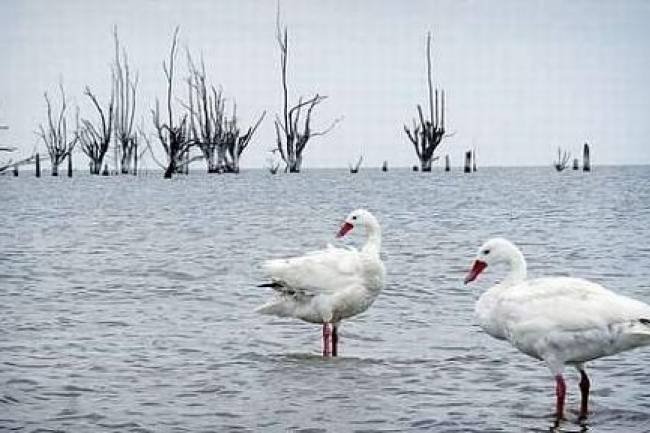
{"x":477,"y":268}
{"x":346,"y":227}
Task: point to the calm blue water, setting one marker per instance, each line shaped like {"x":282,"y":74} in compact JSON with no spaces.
{"x":126,"y":304}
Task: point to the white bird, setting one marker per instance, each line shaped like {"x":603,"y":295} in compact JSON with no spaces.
{"x":561,"y":321}
{"x":330,"y":285}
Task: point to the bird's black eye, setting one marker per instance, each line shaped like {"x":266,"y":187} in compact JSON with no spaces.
{"x":486,"y":252}
{"x":354,"y":217}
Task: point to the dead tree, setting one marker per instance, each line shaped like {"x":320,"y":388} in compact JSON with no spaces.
{"x":292,"y":136}
{"x":563,"y":159}
{"x":124,"y":89}
{"x":220,"y":140}
{"x":96,"y":139}
{"x":235,"y":143}
{"x":172,"y":134}
{"x":467,"y":168}
{"x":206,"y":108}
{"x":55,"y":134}
{"x":5,"y":165}
{"x":427,"y":133}
{"x":355,"y":168}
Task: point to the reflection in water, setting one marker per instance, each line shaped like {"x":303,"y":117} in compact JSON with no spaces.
{"x":126,"y":304}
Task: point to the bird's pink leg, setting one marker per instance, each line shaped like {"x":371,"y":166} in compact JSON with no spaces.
{"x":560,"y":393}
{"x":327,"y":340}
{"x":335,"y":340}
{"x":584,"y":390}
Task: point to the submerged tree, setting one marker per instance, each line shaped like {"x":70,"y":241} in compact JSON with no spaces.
{"x":124,"y":89}
{"x":4,"y":165}
{"x":355,"y":168}
{"x":563,"y":159}
{"x":95,"y":139}
{"x":55,"y":133}
{"x":291,"y":138}
{"x":219,"y":138}
{"x":174,"y":133}
{"x":427,"y":133}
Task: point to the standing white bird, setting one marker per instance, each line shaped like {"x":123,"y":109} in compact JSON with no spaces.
{"x":329,"y":285}
{"x":561,"y":321}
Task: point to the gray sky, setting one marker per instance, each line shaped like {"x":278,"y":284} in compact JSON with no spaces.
{"x":521,"y":77}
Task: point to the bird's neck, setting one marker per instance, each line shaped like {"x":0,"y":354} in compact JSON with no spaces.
{"x":373,"y":240}
{"x":517,"y":272}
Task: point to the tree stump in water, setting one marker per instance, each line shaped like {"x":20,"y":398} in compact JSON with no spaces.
{"x":70,"y":164}
{"x":586,"y":164}
{"x":447,"y":163}
{"x":38,"y":165}
{"x":468,"y":162}
{"x":16,"y":170}
{"x":576,"y":164}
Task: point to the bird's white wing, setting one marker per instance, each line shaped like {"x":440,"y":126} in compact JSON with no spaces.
{"x":566,"y":304}
{"x":324,"y":271}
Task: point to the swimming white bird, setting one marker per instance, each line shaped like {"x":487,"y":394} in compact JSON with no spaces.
{"x":330,"y":285}
{"x":561,"y":321}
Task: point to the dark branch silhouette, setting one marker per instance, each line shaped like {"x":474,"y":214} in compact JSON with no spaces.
{"x":292,"y":136}
{"x":55,"y":133}
{"x":427,"y":133}
{"x":96,"y":138}
{"x":124,"y":88}
{"x":173,"y":137}
{"x":563,"y":159}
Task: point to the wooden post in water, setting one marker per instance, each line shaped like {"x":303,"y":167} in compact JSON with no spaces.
{"x":586,"y":164}
{"x":16,"y":170}
{"x":105,"y":172}
{"x":384,"y":166}
{"x":70,"y":164}
{"x":38,"y":165}
{"x":415,"y":168}
{"x":135,"y":160}
{"x":468,"y":162}
{"x":447,"y":163}
{"x":473,"y":160}
{"x":576,"y":164}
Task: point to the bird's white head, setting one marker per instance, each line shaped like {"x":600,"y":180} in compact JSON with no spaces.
{"x":359,"y":217}
{"x":494,"y":251}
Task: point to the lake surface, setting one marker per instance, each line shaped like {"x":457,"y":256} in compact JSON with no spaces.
{"x":126,"y":304}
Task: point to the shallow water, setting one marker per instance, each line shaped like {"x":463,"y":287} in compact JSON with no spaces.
{"x":126,"y":304}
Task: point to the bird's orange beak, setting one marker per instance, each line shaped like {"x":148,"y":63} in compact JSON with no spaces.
{"x":346,"y":227}
{"x":477,"y":268}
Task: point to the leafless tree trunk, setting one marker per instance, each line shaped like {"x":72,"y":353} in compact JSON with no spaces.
{"x":55,"y":134}
{"x":355,"y":168}
{"x":236,"y":143}
{"x":95,"y":140}
{"x":4,"y":165}
{"x":586,"y":162}
{"x":219,"y":139}
{"x":563,"y":159}
{"x":291,"y":139}
{"x":427,"y":133}
{"x":468,"y":162}
{"x":206,"y":107}
{"x":124,"y":88}
{"x":174,"y":139}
